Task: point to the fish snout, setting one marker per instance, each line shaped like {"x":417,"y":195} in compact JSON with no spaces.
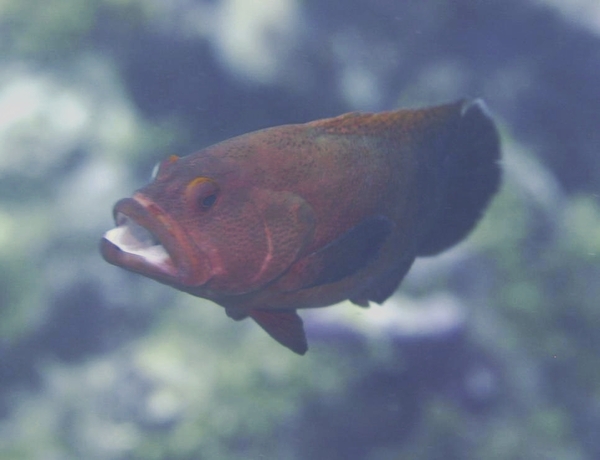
{"x":148,"y":241}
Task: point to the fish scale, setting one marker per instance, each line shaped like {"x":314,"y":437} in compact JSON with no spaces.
{"x":308,"y":215}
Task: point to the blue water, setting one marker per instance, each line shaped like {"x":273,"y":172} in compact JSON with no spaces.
{"x":489,"y":350}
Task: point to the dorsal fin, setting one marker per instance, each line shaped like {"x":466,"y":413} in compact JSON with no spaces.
{"x":400,"y":124}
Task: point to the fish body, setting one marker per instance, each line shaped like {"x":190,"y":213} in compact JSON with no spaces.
{"x":308,"y":215}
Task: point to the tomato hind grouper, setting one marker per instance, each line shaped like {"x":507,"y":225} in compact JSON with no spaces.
{"x":308,"y":215}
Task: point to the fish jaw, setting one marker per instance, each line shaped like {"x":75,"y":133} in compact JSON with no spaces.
{"x":147,"y":241}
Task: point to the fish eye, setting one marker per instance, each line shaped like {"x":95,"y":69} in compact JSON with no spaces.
{"x":208,"y":201}
{"x":202,"y":193}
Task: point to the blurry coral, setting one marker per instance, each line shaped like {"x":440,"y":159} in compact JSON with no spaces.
{"x":490,"y":350}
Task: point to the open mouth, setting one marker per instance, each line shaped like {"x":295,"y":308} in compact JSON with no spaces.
{"x":147,"y":241}
{"x":132,"y":238}
{"x":133,"y":246}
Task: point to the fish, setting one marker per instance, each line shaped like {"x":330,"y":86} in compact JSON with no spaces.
{"x":309,"y":215}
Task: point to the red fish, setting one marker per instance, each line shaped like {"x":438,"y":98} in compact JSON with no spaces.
{"x":308,"y":215}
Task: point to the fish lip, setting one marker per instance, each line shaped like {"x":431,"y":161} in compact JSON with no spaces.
{"x":147,"y":241}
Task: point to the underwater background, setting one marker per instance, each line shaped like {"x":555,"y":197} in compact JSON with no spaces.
{"x":488,"y":351}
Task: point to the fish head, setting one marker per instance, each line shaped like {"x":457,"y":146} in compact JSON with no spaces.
{"x":204,"y":226}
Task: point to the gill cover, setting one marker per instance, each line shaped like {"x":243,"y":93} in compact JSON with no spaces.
{"x":259,"y":240}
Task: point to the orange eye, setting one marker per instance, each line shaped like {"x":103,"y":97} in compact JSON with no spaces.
{"x":202,"y":192}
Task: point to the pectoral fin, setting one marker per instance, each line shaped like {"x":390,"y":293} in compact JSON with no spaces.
{"x":285,"y":326}
{"x":341,"y":258}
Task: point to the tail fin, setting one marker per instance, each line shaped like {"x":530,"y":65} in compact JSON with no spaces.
{"x":472,"y":179}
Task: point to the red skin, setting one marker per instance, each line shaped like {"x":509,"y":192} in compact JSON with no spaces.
{"x":285,"y":198}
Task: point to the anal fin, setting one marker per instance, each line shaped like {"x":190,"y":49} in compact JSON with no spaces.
{"x":285,"y":326}
{"x":383,"y":288}
{"x":360,"y":301}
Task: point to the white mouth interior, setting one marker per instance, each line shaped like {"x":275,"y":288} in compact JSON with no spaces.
{"x":132,"y":238}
